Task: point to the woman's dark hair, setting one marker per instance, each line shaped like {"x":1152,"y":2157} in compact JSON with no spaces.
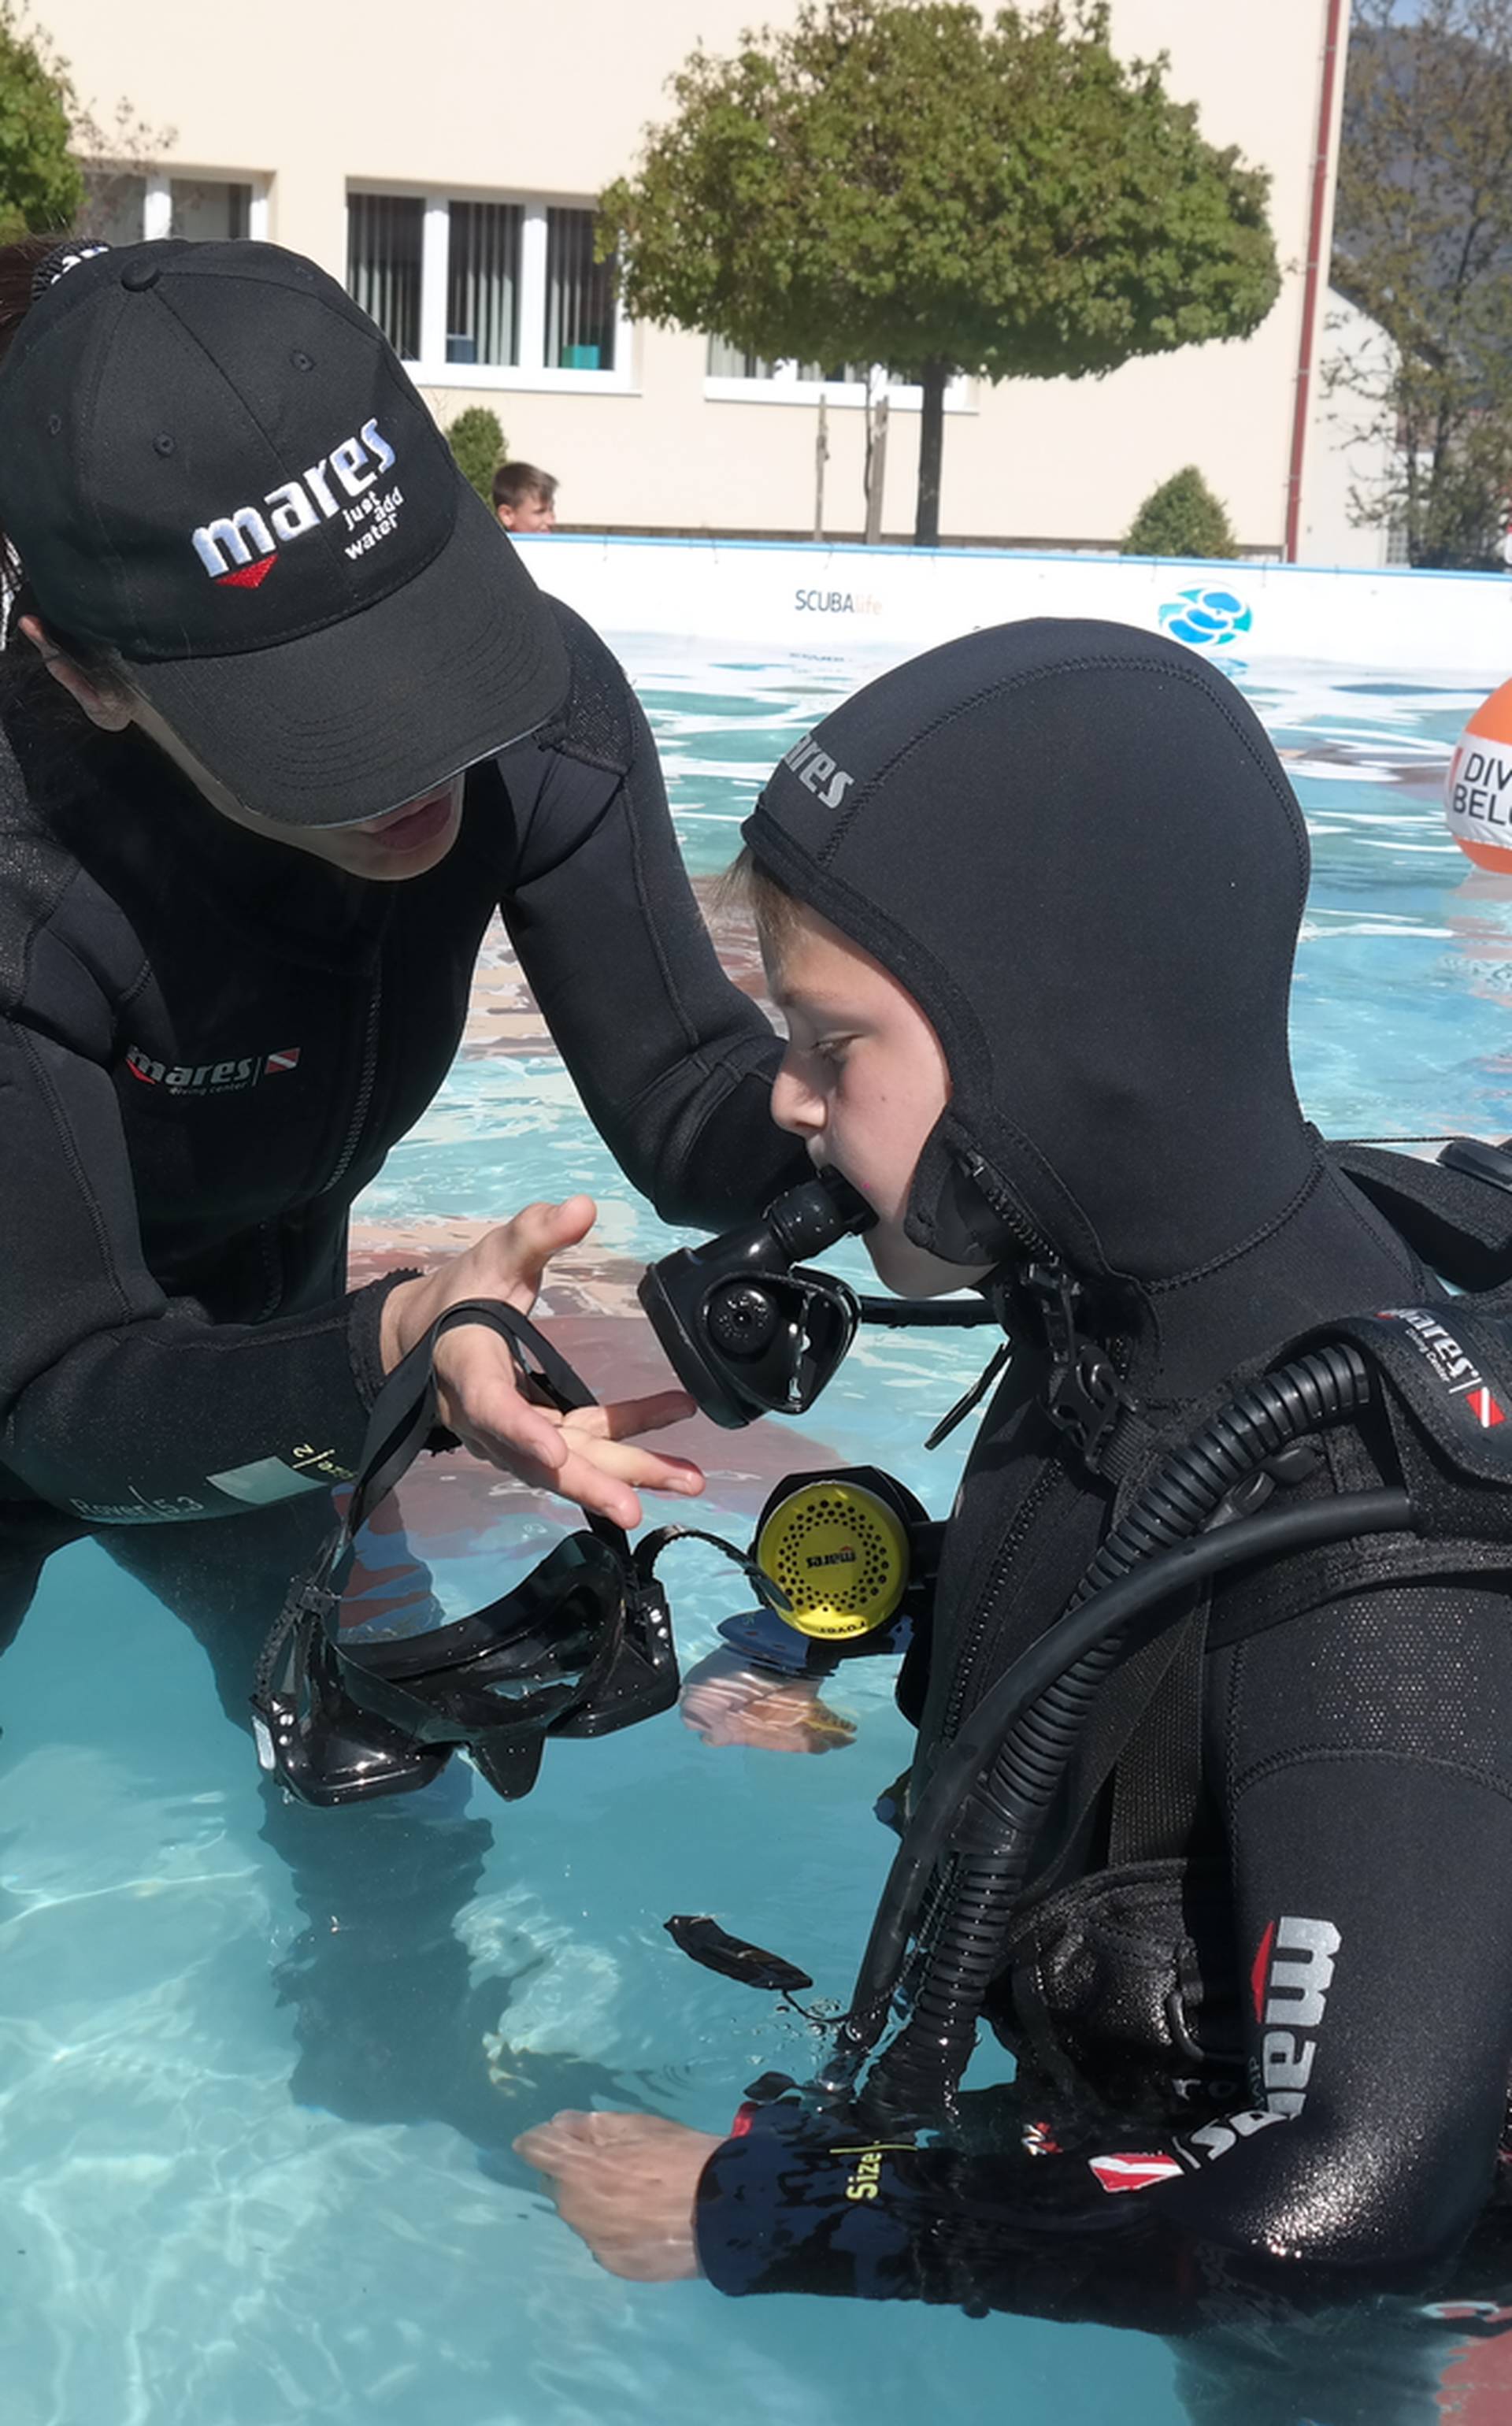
{"x":37,"y":715}
{"x":19,"y":265}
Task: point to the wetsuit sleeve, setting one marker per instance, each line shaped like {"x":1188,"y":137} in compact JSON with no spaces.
{"x":117,"y":1402}
{"x":1258,"y":2343}
{"x":1370,"y":1827}
{"x":674,"y":1064}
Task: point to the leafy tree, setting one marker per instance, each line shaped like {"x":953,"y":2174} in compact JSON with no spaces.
{"x":40,"y":186}
{"x":1423,"y":245}
{"x":477,"y":441}
{"x":894,"y":181}
{"x":1182,"y":517}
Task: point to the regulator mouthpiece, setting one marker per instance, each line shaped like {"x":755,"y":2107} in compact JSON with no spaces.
{"x":746,"y":1329}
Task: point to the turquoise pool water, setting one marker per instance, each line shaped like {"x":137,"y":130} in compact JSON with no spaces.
{"x":258,"y":2073}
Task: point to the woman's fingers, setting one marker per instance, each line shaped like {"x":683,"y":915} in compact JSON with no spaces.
{"x":649,"y":1470}
{"x":590,"y":1455}
{"x":623,"y":1418}
{"x":516,"y":1253}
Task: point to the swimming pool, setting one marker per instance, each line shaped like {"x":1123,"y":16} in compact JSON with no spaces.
{"x":258,"y":2074}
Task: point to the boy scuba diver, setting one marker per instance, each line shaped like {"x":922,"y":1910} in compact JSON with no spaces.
{"x":1032,"y":931}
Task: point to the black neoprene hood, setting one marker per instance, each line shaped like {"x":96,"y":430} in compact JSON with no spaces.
{"x":1074,"y":846}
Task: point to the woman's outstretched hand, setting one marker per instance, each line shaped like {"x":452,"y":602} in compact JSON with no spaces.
{"x":626,"y":2184}
{"x":589,"y":1456}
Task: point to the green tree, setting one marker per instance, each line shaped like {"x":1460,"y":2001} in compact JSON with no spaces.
{"x":1423,"y":244}
{"x":477,"y":441}
{"x":41,"y":186}
{"x":1182,"y":517}
{"x":894,"y":181}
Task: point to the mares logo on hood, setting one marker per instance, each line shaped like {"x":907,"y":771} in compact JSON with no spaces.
{"x":815,"y":767}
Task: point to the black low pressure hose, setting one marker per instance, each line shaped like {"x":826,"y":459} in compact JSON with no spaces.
{"x":997,"y":1820}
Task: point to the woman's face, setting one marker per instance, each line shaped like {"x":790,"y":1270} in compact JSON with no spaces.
{"x":387,"y":849}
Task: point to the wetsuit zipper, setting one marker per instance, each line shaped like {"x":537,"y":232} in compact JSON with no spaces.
{"x":971,"y":1650}
{"x":1033,"y":1241}
{"x":1010,"y":1211}
{"x":273,"y":1267}
{"x":365,"y":1085}
{"x":268,"y":1231}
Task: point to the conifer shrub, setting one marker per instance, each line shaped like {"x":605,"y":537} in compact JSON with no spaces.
{"x":477,"y":443}
{"x":1182,"y":517}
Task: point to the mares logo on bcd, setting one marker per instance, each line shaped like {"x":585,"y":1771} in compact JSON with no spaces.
{"x":1289,"y":1981}
{"x":1450,"y":1363}
{"x":238,"y":550}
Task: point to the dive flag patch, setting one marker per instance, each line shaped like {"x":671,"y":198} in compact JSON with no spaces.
{"x":1133,"y":2172}
{"x":248,"y":577}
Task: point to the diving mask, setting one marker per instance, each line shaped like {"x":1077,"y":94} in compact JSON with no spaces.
{"x":581,"y":1645}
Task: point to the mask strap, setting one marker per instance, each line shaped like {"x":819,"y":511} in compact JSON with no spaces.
{"x":767,"y":1590}
{"x":404,"y":1412}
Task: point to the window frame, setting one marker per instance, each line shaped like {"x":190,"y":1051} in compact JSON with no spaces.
{"x":782,"y":385}
{"x":430,"y":368}
{"x":157,"y":193}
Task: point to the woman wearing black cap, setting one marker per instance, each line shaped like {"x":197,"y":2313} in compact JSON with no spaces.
{"x":284,"y":722}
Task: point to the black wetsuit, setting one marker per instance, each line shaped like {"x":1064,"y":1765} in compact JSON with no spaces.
{"x":1073,"y":845}
{"x":209,"y":1041}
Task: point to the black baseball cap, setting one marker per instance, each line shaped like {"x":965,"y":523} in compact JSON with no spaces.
{"x":215,"y":464}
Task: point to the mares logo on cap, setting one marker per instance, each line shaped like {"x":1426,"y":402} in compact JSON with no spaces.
{"x":239,"y":550}
{"x":821,"y":774}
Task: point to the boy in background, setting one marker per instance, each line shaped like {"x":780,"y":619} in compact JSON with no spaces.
{"x":524,"y":497}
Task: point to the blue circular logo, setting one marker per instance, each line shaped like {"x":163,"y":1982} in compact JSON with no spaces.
{"x":1206,"y":619}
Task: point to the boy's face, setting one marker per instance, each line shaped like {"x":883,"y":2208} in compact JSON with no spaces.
{"x":862,"y":1083}
{"x":532,"y":512}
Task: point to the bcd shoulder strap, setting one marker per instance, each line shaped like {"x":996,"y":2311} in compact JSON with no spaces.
{"x":1456,"y":1214}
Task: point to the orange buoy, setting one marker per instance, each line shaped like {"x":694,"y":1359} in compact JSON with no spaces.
{"x":1478,"y":791}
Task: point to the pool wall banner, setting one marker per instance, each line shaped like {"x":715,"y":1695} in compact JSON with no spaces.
{"x":892,"y":601}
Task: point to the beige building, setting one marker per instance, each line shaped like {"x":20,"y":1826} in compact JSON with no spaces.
{"x":444,"y":160}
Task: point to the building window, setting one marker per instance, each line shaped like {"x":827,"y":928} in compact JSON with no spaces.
{"x":483,"y":283}
{"x":115,"y":204}
{"x":491,"y":294}
{"x":733,"y":376}
{"x":385,"y":242}
{"x":728,"y":363}
{"x":123,"y":207}
{"x":203,"y":208}
{"x":579,"y":296}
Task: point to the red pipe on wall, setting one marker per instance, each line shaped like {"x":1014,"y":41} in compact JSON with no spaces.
{"x":1309,"y":290}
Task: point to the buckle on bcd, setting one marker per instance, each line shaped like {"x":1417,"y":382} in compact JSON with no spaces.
{"x":1084,"y":1396}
